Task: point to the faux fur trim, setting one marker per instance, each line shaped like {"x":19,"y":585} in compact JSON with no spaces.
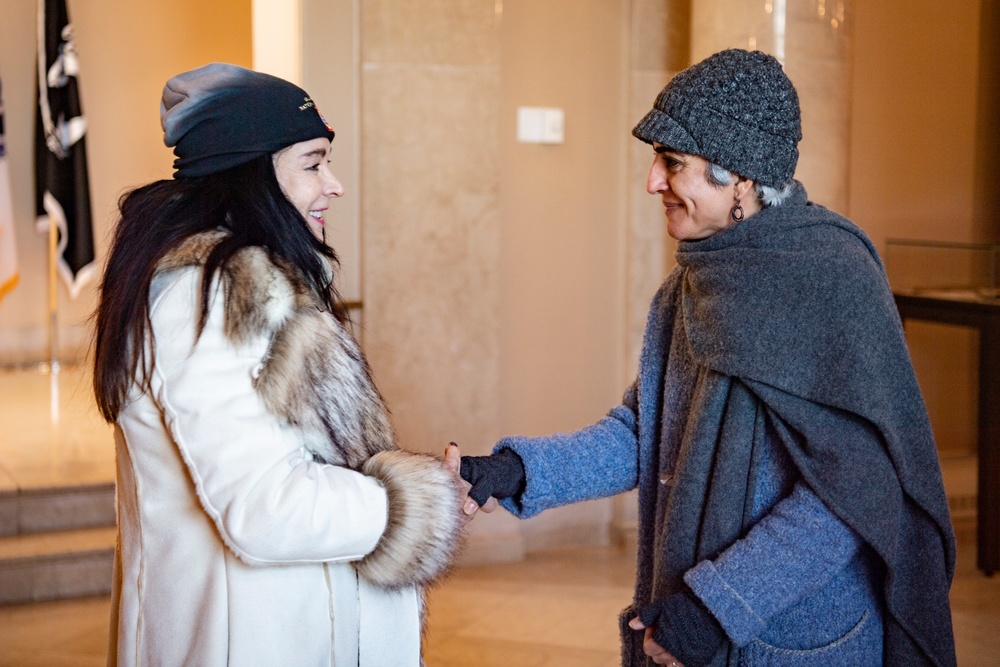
{"x":314,"y":376}
{"x":317,"y":379}
{"x":260,"y":295}
{"x":422,"y":535}
{"x":191,"y":251}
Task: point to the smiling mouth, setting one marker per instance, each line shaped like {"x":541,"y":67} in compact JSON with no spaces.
{"x":316,"y":215}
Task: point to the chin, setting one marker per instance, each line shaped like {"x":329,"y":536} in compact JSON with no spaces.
{"x":678,"y":233}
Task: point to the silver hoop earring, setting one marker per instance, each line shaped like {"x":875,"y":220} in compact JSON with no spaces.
{"x":737,"y":212}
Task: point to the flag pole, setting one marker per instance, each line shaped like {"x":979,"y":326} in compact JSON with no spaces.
{"x":62,"y":189}
{"x":53,"y":311}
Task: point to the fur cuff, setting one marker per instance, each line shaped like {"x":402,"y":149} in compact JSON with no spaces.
{"x":422,"y":535}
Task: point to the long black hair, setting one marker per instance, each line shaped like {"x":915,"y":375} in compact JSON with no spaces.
{"x":248,"y":203}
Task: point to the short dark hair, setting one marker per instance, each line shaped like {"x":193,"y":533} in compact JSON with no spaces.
{"x":247,"y":202}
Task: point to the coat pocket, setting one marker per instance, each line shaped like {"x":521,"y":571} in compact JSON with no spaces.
{"x":860,"y":646}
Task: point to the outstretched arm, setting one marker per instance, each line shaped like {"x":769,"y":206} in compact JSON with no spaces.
{"x":528,"y":475}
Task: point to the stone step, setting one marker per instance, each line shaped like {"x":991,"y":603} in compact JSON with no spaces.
{"x":28,"y":511}
{"x":56,"y":542}
{"x":56,"y":565}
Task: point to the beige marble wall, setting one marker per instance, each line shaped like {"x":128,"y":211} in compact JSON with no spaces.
{"x":908,"y":101}
{"x":492,"y":274}
{"x":331,"y":76}
{"x":563,"y":250}
{"x":430,"y":186}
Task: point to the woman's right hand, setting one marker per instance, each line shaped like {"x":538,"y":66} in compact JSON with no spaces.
{"x":453,"y":461}
{"x":499,"y":475}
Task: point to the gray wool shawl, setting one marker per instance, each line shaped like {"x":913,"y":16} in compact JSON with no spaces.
{"x":791,"y":321}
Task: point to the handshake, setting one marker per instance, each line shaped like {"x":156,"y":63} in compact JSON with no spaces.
{"x":487,"y":478}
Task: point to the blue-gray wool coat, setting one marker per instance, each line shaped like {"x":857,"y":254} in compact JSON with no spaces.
{"x":785,"y":465}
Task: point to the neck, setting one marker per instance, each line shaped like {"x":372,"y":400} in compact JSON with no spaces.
{"x":751,"y":206}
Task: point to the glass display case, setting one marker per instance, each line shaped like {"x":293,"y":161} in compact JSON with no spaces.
{"x":962,"y":271}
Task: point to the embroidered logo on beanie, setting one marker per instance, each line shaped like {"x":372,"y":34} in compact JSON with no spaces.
{"x":310,"y":104}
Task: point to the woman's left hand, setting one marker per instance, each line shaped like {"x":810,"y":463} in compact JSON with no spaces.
{"x":656,"y":653}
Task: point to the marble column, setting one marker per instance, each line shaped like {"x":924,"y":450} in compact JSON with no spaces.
{"x":430,"y":83}
{"x":659,"y":47}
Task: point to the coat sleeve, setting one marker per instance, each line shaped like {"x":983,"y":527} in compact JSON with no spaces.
{"x":270,"y":501}
{"x":598,"y":461}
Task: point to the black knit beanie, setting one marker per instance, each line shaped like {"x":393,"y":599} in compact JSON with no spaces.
{"x":735,"y":108}
{"x":219,"y":116}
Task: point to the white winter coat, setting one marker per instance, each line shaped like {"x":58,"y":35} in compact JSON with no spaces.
{"x":237,"y":545}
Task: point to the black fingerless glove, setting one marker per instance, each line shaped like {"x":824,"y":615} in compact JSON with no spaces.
{"x":500,"y":475}
{"x":684,"y":627}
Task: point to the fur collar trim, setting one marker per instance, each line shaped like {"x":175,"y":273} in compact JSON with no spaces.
{"x":314,"y":375}
{"x":315,"y":378}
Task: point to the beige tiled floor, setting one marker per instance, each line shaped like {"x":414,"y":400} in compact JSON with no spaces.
{"x":554,"y":609}
{"x":35,"y":450}
{"x":975,"y":613}
{"x":55,"y":634}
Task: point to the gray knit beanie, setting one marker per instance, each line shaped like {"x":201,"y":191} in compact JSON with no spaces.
{"x":219,"y":116}
{"x":735,"y":108}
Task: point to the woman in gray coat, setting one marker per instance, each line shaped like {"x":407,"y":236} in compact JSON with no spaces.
{"x":791,"y":508}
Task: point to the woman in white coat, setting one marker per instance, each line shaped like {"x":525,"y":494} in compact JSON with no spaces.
{"x":266,"y":515}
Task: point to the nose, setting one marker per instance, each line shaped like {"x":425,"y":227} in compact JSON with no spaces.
{"x":333,"y":187}
{"x":656,"y":181}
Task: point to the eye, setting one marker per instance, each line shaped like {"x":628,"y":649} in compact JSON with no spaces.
{"x":672,"y":163}
{"x":314,"y":167}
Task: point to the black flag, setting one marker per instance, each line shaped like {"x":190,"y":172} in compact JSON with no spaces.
{"x":62,"y":190}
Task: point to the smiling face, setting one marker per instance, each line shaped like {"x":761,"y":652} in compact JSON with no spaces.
{"x":695,"y":208}
{"x":303,"y":172}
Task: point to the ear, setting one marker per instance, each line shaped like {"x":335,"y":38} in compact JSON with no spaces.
{"x":743,"y":187}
